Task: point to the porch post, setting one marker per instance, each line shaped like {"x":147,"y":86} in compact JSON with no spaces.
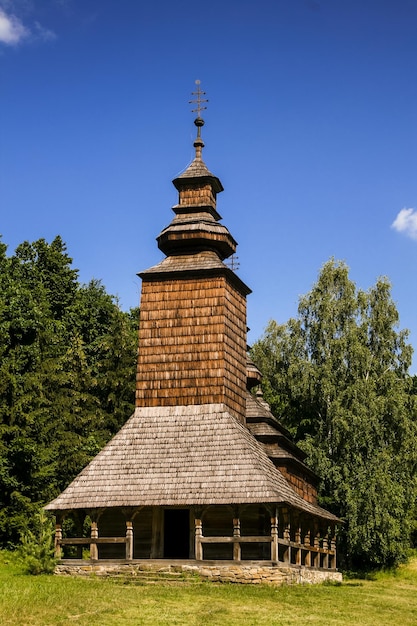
{"x":326,"y":546}
{"x":198,"y":535}
{"x":129,"y":541}
{"x":93,"y":546}
{"x":307,"y":542}
{"x":274,"y":537}
{"x":316,"y":558}
{"x":236,"y":545}
{"x":333,"y":561}
{"x":298,"y":539}
{"x":287,"y":536}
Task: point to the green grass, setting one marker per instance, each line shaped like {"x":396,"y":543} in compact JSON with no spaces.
{"x":388,"y":599}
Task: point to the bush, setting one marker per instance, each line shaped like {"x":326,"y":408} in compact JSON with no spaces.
{"x":36,"y":551}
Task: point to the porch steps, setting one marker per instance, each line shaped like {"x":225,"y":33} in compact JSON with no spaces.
{"x":157,"y":578}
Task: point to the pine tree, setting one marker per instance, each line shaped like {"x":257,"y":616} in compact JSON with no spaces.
{"x":67,"y":376}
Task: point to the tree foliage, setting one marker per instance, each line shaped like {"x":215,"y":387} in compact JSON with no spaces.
{"x":337,"y":376}
{"x":36,"y":551}
{"x":67,"y":363}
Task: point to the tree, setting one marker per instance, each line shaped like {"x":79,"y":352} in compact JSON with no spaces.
{"x":67,"y":376}
{"x":109,"y":337}
{"x":37,"y":550}
{"x":337,"y":376}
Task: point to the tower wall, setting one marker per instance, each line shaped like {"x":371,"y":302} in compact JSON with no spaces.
{"x":192,"y":343}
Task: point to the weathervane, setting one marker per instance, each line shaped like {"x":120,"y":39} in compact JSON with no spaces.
{"x":199,"y":122}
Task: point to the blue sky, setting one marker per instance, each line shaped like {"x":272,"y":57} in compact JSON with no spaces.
{"x":311,"y":126}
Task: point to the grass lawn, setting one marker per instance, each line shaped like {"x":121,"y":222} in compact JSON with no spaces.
{"x":389,"y":599}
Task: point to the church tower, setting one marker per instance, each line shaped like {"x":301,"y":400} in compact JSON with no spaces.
{"x":192,"y":337}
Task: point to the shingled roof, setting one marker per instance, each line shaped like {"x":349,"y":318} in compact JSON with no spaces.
{"x":207,"y":260}
{"x":198,"y":170}
{"x":180,"y":456}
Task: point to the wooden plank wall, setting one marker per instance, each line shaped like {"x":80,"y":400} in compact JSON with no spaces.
{"x":197,"y":195}
{"x":192,"y":344}
{"x":112,"y":523}
{"x":300,"y":483}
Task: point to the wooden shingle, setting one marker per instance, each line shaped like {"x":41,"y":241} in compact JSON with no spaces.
{"x":180,"y":456}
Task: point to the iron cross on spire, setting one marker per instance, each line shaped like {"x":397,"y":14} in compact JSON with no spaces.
{"x":199,"y":101}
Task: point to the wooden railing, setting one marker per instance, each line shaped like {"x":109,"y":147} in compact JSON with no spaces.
{"x":81,"y":541}
{"x":296,"y":553}
{"x":322,"y":554}
{"x":310,"y":556}
{"x":95,"y":541}
{"x":236,"y":541}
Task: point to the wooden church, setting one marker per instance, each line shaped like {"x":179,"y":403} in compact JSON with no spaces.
{"x":202,"y":472}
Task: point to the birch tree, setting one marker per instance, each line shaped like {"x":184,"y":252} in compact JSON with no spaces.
{"x":337,"y":377}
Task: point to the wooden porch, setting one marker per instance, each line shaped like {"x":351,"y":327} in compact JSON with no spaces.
{"x":288,"y":538}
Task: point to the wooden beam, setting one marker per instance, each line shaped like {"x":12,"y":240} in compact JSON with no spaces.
{"x":129,"y":541}
{"x":245,"y":539}
{"x":333,"y":557}
{"x":198,"y":537}
{"x":316,"y":557}
{"x":93,"y":545}
{"x":80,"y":541}
{"x":237,"y":552}
{"x":287,"y":536}
{"x":297,"y":539}
{"x":307,"y":541}
{"x":274,"y":538}
{"x":326,"y":546}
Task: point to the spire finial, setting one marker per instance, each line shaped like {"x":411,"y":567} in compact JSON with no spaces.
{"x":199,"y":101}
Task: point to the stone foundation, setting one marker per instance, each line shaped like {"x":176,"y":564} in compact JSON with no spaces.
{"x":248,"y":573}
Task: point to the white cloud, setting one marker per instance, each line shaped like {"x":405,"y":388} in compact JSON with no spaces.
{"x":44,"y":33}
{"x":406,"y":223}
{"x":12,"y":30}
